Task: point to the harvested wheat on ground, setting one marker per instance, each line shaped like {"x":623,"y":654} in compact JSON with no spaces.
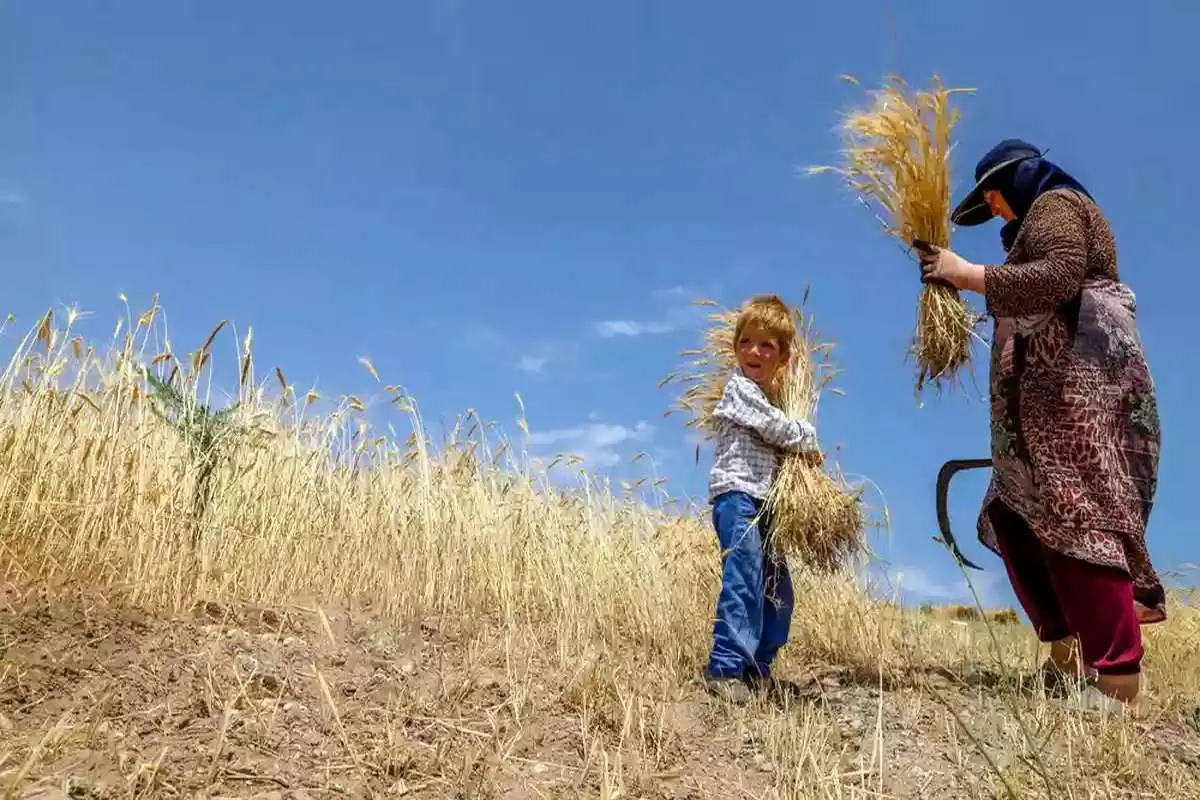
{"x":896,"y":160}
{"x":818,"y":517}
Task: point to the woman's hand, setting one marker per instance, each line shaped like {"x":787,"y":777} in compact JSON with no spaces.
{"x":949,"y":267}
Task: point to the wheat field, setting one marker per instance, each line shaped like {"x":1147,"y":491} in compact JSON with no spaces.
{"x":267,"y":602}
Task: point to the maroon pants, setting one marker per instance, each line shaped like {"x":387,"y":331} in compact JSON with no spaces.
{"x":1066,"y":596}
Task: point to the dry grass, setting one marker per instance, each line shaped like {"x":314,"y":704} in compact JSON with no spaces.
{"x":558,"y":635}
{"x":896,"y":156}
{"x":818,"y":516}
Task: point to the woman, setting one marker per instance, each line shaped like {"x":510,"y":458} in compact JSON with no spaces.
{"x":1074,"y":419}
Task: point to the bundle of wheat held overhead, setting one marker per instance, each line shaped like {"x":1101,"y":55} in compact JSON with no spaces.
{"x":817,"y":516}
{"x":896,"y":159}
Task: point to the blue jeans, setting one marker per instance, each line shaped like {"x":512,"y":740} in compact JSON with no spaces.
{"x":754,"y":608}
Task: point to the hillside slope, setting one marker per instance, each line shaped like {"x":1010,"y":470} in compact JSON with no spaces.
{"x":267,"y":602}
{"x":238,"y":701}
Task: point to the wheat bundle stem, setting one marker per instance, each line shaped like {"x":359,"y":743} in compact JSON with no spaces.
{"x":896,"y":158}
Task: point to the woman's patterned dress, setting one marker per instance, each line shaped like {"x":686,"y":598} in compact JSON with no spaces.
{"x":1075,"y":430}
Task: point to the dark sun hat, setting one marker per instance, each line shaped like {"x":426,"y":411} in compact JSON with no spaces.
{"x":973,"y":210}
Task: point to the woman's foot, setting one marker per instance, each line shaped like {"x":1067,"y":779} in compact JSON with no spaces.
{"x":1064,"y":657}
{"x":1123,"y":688}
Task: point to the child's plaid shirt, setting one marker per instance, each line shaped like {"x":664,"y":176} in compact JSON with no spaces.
{"x":749,"y":433}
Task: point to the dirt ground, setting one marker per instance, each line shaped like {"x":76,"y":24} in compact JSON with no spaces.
{"x":99,"y":701}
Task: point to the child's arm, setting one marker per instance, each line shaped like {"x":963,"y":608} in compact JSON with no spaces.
{"x":743,"y":403}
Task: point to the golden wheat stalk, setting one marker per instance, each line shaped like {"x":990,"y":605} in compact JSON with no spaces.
{"x":707,"y":370}
{"x":896,"y":155}
{"x":817,"y":516}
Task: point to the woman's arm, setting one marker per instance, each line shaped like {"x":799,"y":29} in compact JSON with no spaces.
{"x":1058,"y":236}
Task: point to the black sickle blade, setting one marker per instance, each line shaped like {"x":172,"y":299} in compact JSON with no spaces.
{"x":948,"y":471}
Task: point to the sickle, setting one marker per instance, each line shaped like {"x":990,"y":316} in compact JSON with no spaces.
{"x":947,"y":472}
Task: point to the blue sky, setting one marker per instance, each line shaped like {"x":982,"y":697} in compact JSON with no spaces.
{"x":491,"y":198}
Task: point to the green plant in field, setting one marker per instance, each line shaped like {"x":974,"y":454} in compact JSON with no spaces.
{"x":211,"y":435}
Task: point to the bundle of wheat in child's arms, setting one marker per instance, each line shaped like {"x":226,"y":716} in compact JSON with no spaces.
{"x":896,"y":160}
{"x":818,"y":517}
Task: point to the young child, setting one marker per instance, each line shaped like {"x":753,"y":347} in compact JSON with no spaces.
{"x":754,"y":607}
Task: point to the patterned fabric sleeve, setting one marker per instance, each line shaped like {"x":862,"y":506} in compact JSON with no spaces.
{"x":744,"y":404}
{"x":1057,"y":235}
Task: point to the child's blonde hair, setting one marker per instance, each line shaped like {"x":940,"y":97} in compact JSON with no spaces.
{"x":769,"y":313}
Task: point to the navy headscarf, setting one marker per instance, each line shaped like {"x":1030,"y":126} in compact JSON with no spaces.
{"x":1023,"y":183}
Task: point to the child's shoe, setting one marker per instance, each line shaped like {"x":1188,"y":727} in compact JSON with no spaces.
{"x":763,"y":683}
{"x":781,"y":690}
{"x":733,"y":690}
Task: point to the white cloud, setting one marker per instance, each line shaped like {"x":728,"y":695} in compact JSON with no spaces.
{"x":626,"y":327}
{"x":532,"y":364}
{"x":918,"y":581}
{"x":537,"y":357}
{"x":12,"y":198}
{"x":596,"y":434}
{"x":599,"y":459}
{"x":911,"y":582}
{"x":677,"y":315}
{"x":597,"y":443}
{"x":479,"y":335}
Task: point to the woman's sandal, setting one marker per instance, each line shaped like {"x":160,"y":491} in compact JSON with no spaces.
{"x":1091,"y":700}
{"x":1082,"y":694}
